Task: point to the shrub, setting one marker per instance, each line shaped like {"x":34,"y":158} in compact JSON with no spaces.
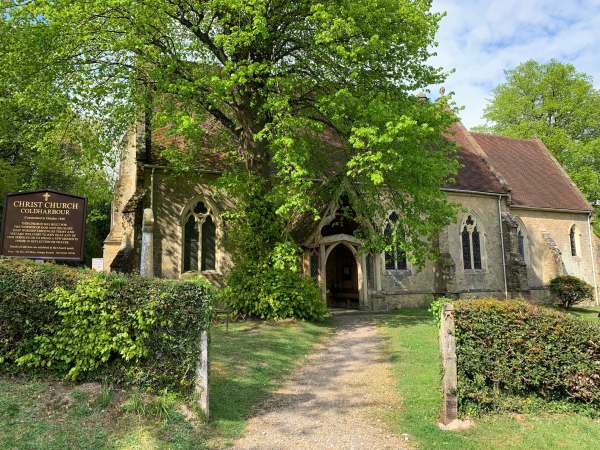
{"x":570,"y":290}
{"x":273,"y":293}
{"x":435,"y":308}
{"x":81,"y":324}
{"x":512,"y":349}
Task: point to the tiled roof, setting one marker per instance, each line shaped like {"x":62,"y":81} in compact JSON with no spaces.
{"x":533,"y":175}
{"x":492,"y":164}
{"x":476,"y":173}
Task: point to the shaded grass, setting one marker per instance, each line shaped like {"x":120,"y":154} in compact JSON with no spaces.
{"x":413,"y":345}
{"x":247,"y":364}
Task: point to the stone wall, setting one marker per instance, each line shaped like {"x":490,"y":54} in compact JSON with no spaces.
{"x":120,"y":244}
{"x":547,"y":244}
{"x":548,"y":248}
{"x":174,"y":196}
{"x":448,"y":276}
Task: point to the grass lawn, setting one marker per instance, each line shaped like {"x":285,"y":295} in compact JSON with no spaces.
{"x":247,"y":363}
{"x":584,"y":312}
{"x":413,"y":346}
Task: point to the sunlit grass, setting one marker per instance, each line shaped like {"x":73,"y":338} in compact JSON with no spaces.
{"x":247,"y":363}
{"x":413,"y":345}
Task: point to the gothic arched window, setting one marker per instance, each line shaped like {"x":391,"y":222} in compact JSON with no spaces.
{"x":395,"y":258}
{"x":199,"y":240}
{"x":573,"y":240}
{"x":471,"y":245}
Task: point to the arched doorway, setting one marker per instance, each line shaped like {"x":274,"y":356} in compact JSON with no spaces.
{"x":342,"y":278}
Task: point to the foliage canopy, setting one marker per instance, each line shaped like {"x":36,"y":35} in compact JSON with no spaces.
{"x":309,"y":100}
{"x":46,"y":140}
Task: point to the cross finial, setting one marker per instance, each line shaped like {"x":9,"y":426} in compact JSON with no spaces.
{"x":46,"y":196}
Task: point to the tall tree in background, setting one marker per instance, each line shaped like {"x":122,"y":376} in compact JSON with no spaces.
{"x":558,"y":105}
{"x":311,"y":99}
{"x":44,"y":142}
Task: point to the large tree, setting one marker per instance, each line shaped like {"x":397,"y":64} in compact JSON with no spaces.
{"x":559,"y":105}
{"x":44,"y":142}
{"x":312,"y":100}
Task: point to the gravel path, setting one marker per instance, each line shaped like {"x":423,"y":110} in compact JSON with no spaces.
{"x":336,"y":400}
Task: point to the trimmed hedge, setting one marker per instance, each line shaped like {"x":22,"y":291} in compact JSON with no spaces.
{"x":511,"y":350}
{"x":80,"y":324}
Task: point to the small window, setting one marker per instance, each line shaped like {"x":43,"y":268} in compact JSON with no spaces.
{"x":521,"y":244}
{"x":314,"y":266}
{"x":370,"y":271}
{"x":466,"y":246}
{"x":573,"y":240}
{"x":200,"y":208}
{"x":476,"y":249}
{"x":209,"y":232}
{"x":395,"y":259}
{"x":190,"y":249}
{"x":199,"y":240}
{"x":471,"y":245}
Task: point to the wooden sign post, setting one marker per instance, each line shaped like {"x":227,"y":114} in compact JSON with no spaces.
{"x":448,"y":350}
{"x":44,"y":225}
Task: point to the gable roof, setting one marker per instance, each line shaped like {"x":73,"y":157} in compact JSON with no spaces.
{"x":535,"y":178}
{"x":524,"y":168}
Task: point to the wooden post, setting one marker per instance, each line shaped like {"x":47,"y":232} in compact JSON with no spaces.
{"x":448,"y":350}
{"x":201,"y":386}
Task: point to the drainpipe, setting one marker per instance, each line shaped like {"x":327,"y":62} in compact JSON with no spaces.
{"x":593,"y":260}
{"x":502,"y":246}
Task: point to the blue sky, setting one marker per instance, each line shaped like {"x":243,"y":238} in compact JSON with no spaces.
{"x":480,"y":39}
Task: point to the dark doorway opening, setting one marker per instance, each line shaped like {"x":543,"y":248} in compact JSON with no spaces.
{"x":342,"y":278}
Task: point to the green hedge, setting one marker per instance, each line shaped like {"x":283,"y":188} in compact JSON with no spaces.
{"x":80,"y":324}
{"x":511,"y":353}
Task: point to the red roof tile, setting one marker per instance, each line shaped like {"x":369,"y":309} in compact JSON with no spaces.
{"x":476,"y":173}
{"x":533,"y":175}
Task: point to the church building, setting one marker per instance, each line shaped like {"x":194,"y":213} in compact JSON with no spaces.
{"x":522,"y":222}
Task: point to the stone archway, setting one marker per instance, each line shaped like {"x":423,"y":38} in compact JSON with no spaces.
{"x":357,"y":265}
{"x":342,"y":278}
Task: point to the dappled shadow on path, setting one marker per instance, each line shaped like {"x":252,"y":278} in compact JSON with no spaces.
{"x":328,"y":401}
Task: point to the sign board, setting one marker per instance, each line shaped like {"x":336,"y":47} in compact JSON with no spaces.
{"x":98,"y":264}
{"x":43,"y":225}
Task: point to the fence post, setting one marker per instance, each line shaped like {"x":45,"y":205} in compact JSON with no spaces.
{"x":201,"y":386}
{"x":448,"y":350}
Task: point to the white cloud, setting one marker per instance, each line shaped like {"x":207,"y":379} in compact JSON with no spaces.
{"x":481,"y":39}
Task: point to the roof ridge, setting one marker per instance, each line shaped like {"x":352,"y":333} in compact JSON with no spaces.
{"x":503,"y":136}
